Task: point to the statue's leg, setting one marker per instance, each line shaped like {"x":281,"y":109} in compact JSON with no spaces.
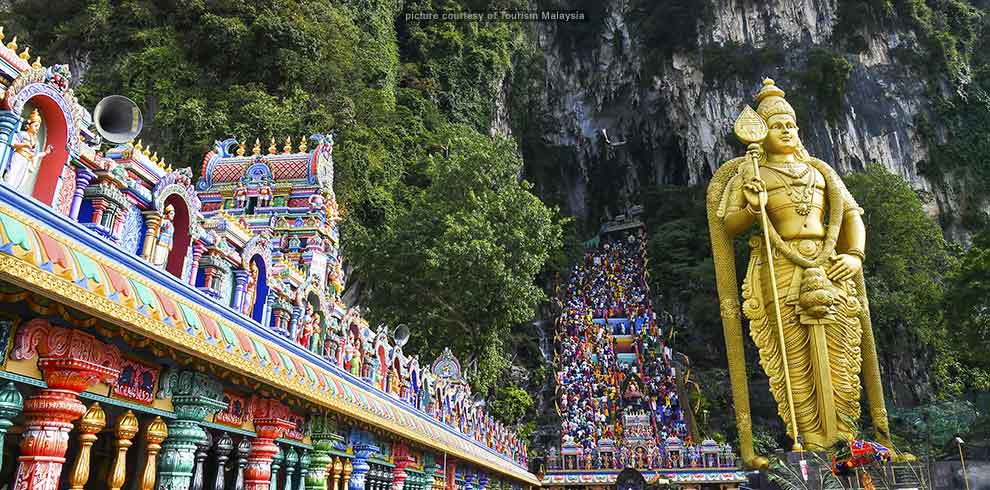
{"x":871,"y":369}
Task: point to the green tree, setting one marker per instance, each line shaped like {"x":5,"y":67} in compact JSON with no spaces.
{"x":906,"y":268}
{"x":967,"y":307}
{"x":458,"y":263}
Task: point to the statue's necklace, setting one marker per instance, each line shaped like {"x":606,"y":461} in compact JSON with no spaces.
{"x":799,"y":191}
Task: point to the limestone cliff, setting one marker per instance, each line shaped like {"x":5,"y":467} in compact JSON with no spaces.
{"x":668,"y":110}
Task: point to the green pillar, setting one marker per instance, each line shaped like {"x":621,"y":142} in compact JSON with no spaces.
{"x":323,"y":435}
{"x":291,"y":460}
{"x":11,"y":405}
{"x":303,"y":469}
{"x":194,"y":397}
{"x":276,"y":464}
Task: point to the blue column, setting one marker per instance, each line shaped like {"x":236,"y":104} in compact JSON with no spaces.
{"x":10,"y":123}
{"x":468,"y":481}
{"x":297,"y":313}
{"x":482,"y":481}
{"x":240,"y":282}
{"x":360,"y":464}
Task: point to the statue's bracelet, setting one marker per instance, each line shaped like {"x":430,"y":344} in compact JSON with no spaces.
{"x":754,"y":212}
{"x":857,"y":253}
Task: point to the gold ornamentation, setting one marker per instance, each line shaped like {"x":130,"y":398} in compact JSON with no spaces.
{"x":302,"y":145}
{"x":240,"y":149}
{"x":26,"y":54}
{"x":37,"y":63}
{"x":257,"y":147}
{"x":127,"y":428}
{"x":91,"y":423}
{"x":154,"y":435}
{"x":287,"y":148}
{"x":12,"y":45}
{"x":271,"y":146}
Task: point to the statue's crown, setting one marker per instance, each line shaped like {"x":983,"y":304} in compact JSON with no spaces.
{"x":771,"y":101}
{"x":35,"y":116}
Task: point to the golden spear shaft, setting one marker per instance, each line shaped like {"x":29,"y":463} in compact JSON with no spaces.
{"x":776,"y":299}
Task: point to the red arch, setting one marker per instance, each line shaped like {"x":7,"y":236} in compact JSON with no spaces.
{"x":181,"y":238}
{"x":57,"y":135}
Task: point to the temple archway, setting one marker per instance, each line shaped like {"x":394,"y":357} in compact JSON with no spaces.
{"x":257,"y":311}
{"x":182,"y":238}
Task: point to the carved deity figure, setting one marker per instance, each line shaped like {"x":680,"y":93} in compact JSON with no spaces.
{"x":240,"y":196}
{"x":163,"y":242}
{"x":26,"y":158}
{"x":814,"y":357}
{"x":306,"y":327}
{"x":250,"y":291}
{"x":265,"y":195}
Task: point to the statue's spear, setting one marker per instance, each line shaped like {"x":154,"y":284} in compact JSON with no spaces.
{"x":751,"y":129}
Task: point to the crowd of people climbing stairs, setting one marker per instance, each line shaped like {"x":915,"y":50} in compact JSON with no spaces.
{"x":610,"y":354}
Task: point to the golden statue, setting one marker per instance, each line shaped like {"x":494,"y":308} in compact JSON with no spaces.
{"x":810,"y":298}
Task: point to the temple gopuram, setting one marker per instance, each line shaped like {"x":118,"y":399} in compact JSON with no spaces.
{"x":160,"y":329}
{"x":619,"y":397}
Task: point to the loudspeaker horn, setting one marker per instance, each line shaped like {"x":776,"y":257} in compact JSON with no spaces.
{"x":118,"y":119}
{"x":401,"y":335}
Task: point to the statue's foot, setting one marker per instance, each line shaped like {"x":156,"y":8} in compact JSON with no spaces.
{"x":904,"y":457}
{"x":758,"y":463}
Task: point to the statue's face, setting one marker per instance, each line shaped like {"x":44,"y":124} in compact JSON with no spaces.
{"x":783,"y":135}
{"x":34,"y":127}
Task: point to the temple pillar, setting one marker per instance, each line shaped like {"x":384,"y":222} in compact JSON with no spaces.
{"x":71,"y":362}
{"x":271,"y":420}
{"x":291,"y":460}
{"x":83,"y":177}
{"x":91,"y":423}
{"x":336,"y":472}
{"x":194,"y":397}
{"x":153,"y":222}
{"x":468,"y":481}
{"x":277,"y":461}
{"x":222,"y":450}
{"x":156,"y":432}
{"x":118,"y":223}
{"x":482,"y":482}
{"x":297,"y":313}
{"x":11,"y":405}
{"x":99,"y":207}
{"x":240,"y":283}
{"x":10,"y":123}
{"x":303,"y":469}
{"x":126,"y":429}
{"x":198,"y":250}
{"x":359,"y":465}
{"x":430,"y":476}
{"x":322,"y":437}
{"x":402,"y":460}
{"x":198,"y":481}
{"x":243,"y":449}
{"x":345,"y":476}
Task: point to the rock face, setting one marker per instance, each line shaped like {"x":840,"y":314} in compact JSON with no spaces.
{"x":667,"y":122}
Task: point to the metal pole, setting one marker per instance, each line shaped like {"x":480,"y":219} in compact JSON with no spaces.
{"x":776,"y":308}
{"x":962,"y":460}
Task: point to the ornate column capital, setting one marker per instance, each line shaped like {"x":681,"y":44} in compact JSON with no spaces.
{"x":271,"y":420}
{"x":194,"y":396}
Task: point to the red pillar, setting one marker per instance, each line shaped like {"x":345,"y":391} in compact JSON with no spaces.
{"x":71,"y":361}
{"x":403,"y":459}
{"x":271,"y":420}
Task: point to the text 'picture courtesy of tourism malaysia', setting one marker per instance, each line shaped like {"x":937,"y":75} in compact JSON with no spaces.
{"x":461,"y":245}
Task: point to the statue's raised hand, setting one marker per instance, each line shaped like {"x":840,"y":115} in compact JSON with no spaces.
{"x":752,"y":190}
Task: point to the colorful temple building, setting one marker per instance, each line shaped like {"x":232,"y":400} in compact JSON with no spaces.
{"x":619,"y":396}
{"x":170,"y":331}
